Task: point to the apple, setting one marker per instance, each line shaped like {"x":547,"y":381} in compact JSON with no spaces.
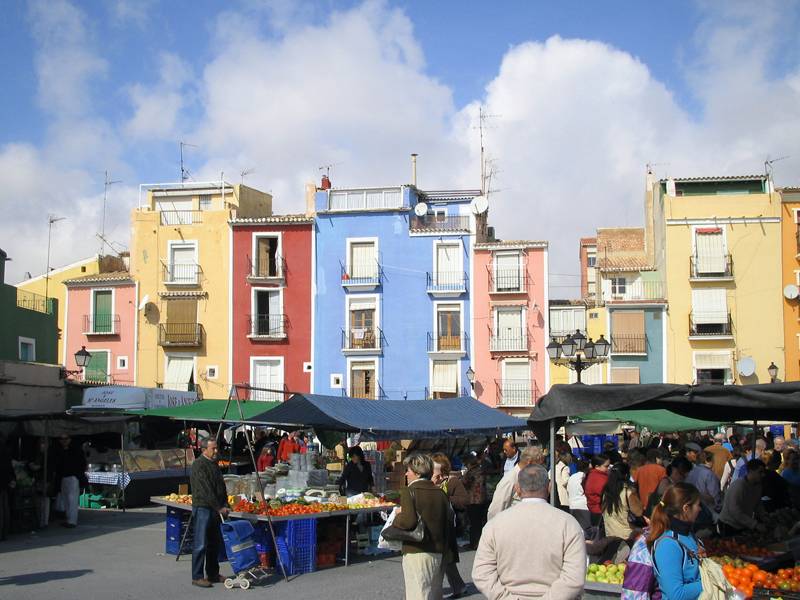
{"x":591,"y":577}
{"x":593,"y":568}
{"x":602,"y":569}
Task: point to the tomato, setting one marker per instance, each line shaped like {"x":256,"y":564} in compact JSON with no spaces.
{"x":759,"y":577}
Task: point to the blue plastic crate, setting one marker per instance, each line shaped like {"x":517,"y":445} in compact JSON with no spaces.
{"x":296,"y":545}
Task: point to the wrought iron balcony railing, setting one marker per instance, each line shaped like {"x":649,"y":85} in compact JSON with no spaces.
{"x":628,"y":343}
{"x":719,"y":325}
{"x":101,"y":324}
{"x":446,"y":282}
{"x":181,"y":273}
{"x":361,"y":273}
{"x":447,"y":343}
{"x":266,"y":270}
{"x":516,"y":392}
{"x":711,"y":267}
{"x":362,"y":339}
{"x":510,"y":339}
{"x":267,"y":326}
{"x":507,"y":281}
{"x":180,"y":334}
{"x":440,"y":223}
{"x":181,"y":217}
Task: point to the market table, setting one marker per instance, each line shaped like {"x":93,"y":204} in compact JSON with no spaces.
{"x":267,"y":519}
{"x":597,"y":590}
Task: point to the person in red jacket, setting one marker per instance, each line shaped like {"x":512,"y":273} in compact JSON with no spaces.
{"x":265,"y":459}
{"x":287,"y":447}
{"x":594,"y":484}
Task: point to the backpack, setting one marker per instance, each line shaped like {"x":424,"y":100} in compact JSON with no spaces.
{"x":640,"y":581}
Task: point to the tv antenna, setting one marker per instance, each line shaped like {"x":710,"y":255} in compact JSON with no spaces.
{"x":184,"y":171}
{"x":106,"y":183}
{"x":482,"y":119}
{"x":50,"y":220}
{"x":769,"y":162}
{"x":327,"y":168}
{"x":244,"y":172}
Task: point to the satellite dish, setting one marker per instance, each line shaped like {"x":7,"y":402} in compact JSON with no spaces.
{"x":791,"y":291}
{"x":480,"y":204}
{"x":746,"y":366}
{"x":144,"y":301}
{"x":421,"y":209}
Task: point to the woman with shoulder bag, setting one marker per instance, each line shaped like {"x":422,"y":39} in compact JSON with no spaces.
{"x":424,"y":502}
{"x":456,"y":493}
{"x":622,"y":509}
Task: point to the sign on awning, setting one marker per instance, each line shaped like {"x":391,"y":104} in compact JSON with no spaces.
{"x":134,"y":398}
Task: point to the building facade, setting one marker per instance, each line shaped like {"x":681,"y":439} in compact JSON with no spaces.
{"x":101,"y":316}
{"x":722,"y":265}
{"x":271,"y":305}
{"x":181,"y":246}
{"x":587,"y":256}
{"x":510,"y":324}
{"x":393,"y":276}
{"x":790,"y":261}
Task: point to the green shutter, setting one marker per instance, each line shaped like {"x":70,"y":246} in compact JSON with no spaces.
{"x":96,"y":370}
{"x":103,"y":322}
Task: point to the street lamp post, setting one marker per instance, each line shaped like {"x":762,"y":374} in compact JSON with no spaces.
{"x":82,"y":358}
{"x":578,"y":353}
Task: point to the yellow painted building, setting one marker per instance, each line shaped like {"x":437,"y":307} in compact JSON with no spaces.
{"x":718,"y":242}
{"x":564,"y":318}
{"x":181,"y":256}
{"x":53,"y":286}
{"x":790,"y":229}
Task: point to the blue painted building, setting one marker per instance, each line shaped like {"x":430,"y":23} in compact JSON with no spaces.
{"x":392,"y":281}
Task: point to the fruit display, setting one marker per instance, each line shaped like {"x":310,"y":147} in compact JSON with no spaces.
{"x":748,"y":577}
{"x":276,"y":508}
{"x":179,"y":498}
{"x":730,"y":548}
{"x":606,"y":573}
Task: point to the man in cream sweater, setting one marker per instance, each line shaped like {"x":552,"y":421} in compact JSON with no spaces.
{"x":510,"y":565}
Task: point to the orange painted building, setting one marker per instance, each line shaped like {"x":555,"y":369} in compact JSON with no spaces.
{"x":790,"y":274}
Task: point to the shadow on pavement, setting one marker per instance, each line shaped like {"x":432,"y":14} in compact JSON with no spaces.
{"x":34,"y":578}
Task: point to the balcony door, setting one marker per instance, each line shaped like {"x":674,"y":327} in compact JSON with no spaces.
{"x":509,"y":329}
{"x":710,"y":251}
{"x":363,"y":333}
{"x":516,"y":382}
{"x":179,"y":374}
{"x":445,"y":379}
{"x":97,"y":369}
{"x":181,"y":325}
{"x":362,"y":380}
{"x":507,"y":275}
{"x":448,"y":265}
{"x":267,"y":257}
{"x":267,"y":376}
{"x":101,"y":312}
{"x":268,"y":318}
{"x":363,"y":260}
{"x":448,"y":323}
{"x":183,"y":264}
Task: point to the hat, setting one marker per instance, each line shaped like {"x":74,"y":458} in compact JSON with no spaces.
{"x":692,"y":447}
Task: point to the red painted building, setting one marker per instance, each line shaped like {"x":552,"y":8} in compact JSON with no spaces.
{"x":271,"y":304}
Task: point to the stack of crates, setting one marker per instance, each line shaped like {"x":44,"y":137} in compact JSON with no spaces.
{"x":376,"y":462}
{"x":593,"y":444}
{"x":177,"y":522}
{"x":296,"y":545}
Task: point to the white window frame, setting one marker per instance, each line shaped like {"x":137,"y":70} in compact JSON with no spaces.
{"x":279,"y":251}
{"x":183,"y":244}
{"x":614,"y":284}
{"x":254,"y":304}
{"x":721,"y":227}
{"x":113,"y":308}
{"x":209,"y":369}
{"x":362,"y":240}
{"x":520,"y":263}
{"x":731,"y":378}
{"x":436,"y":305}
{"x":516,"y":361}
{"x":282,"y":365}
{"x":168,"y":355}
{"x":522,"y":309}
{"x":430,"y":373}
{"x":108,"y":363}
{"x":358,"y":359}
{"x":122,"y":363}
{"x":337,"y":381}
{"x":439,"y":211}
{"x":26,"y":340}
{"x":796,"y":213}
{"x":207,"y":197}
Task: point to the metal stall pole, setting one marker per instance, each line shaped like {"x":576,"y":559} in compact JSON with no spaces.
{"x":755,"y":430}
{"x":121,"y":481}
{"x":552,"y":462}
{"x":45,"y":495}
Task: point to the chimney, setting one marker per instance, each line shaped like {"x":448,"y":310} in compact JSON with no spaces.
{"x":414,"y":169}
{"x":311,"y":191}
{"x":325,"y":184}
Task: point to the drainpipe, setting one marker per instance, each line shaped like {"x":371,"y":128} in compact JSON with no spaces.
{"x":414,"y":169}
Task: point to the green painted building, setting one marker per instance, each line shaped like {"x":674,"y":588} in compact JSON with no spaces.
{"x":28,"y":324}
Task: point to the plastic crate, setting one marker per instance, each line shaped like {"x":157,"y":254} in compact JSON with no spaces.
{"x":764,"y":594}
{"x":296,"y":545}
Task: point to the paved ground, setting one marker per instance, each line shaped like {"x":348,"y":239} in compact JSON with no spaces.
{"x":119,"y":556}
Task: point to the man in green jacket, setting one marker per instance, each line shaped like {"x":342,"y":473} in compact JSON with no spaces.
{"x":209,"y":502}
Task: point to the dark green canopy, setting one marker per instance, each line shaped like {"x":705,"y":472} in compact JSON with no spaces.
{"x":657,"y":421}
{"x":210,"y":411}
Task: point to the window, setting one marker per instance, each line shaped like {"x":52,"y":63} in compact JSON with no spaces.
{"x":515,"y":386}
{"x":267,"y":313}
{"x":565,"y":321}
{"x":710,"y":256}
{"x":97,"y":369}
{"x":362,"y":380}
{"x":266,"y":374}
{"x":102,"y":309}
{"x":205,"y":203}
{"x":625,"y":375}
{"x":179,"y":373}
{"x":444,"y":382}
{"x":448,"y":327}
{"x":627,"y":332}
{"x":363,"y":261}
{"x":363,"y":331}
{"x":336,"y":381}
{"x":212,"y":371}
{"x":591,"y":260}
{"x":176,"y":211}
{"x":27,"y":349}
{"x":440,"y":215}
{"x":122,"y":363}
{"x":182,"y":268}
{"x":448,"y":272}
{"x":619,"y":285}
{"x":268,"y":260}
{"x":507,"y":272}
{"x":365,"y":199}
{"x":710,"y":312}
{"x":181,"y":326}
{"x":713,"y":368}
{"x":509,"y":333}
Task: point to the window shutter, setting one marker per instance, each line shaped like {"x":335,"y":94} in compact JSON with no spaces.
{"x":182,"y":311}
{"x":627,"y":322}
{"x":712,"y":360}
{"x":363,"y":261}
{"x":625,"y":375}
{"x":97,"y":369}
{"x":709,"y":306}
{"x":102,"y":312}
{"x":710,"y":251}
{"x":445,"y":376}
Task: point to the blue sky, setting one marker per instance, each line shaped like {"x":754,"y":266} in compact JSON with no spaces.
{"x":587,"y":93}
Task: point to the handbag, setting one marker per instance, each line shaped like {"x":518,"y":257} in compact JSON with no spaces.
{"x":634,"y":521}
{"x":392,"y":533}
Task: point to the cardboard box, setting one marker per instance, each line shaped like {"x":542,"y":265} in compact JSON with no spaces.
{"x":183,"y":489}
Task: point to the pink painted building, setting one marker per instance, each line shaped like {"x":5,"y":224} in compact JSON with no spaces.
{"x":100,"y":314}
{"x":510,"y":315}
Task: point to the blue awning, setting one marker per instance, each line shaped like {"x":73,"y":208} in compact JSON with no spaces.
{"x":390,"y":419}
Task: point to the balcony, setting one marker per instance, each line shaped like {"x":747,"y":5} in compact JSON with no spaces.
{"x":710,"y":326}
{"x":181,"y":273}
{"x":358,"y":340}
{"x":635,"y":291}
{"x":277,"y":393}
{"x":439,"y":223}
{"x":711,"y":268}
{"x":372,"y":391}
{"x":366,"y":199}
{"x":361,"y":276}
{"x":448,"y":344}
{"x":35,"y":302}
{"x":267,"y":327}
{"x":270,"y":272}
{"x":509,"y":340}
{"x":101,"y":324}
{"x":181,"y":217}
{"x":180,"y":334}
{"x":629,"y":343}
{"x":516,"y":392}
{"x":446,"y":283}
{"x":508,"y":281}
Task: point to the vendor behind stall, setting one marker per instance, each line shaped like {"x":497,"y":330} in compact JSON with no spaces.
{"x":742,"y":509}
{"x":357,"y":474}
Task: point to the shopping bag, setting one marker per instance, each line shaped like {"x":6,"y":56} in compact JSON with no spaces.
{"x":384,"y":544}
